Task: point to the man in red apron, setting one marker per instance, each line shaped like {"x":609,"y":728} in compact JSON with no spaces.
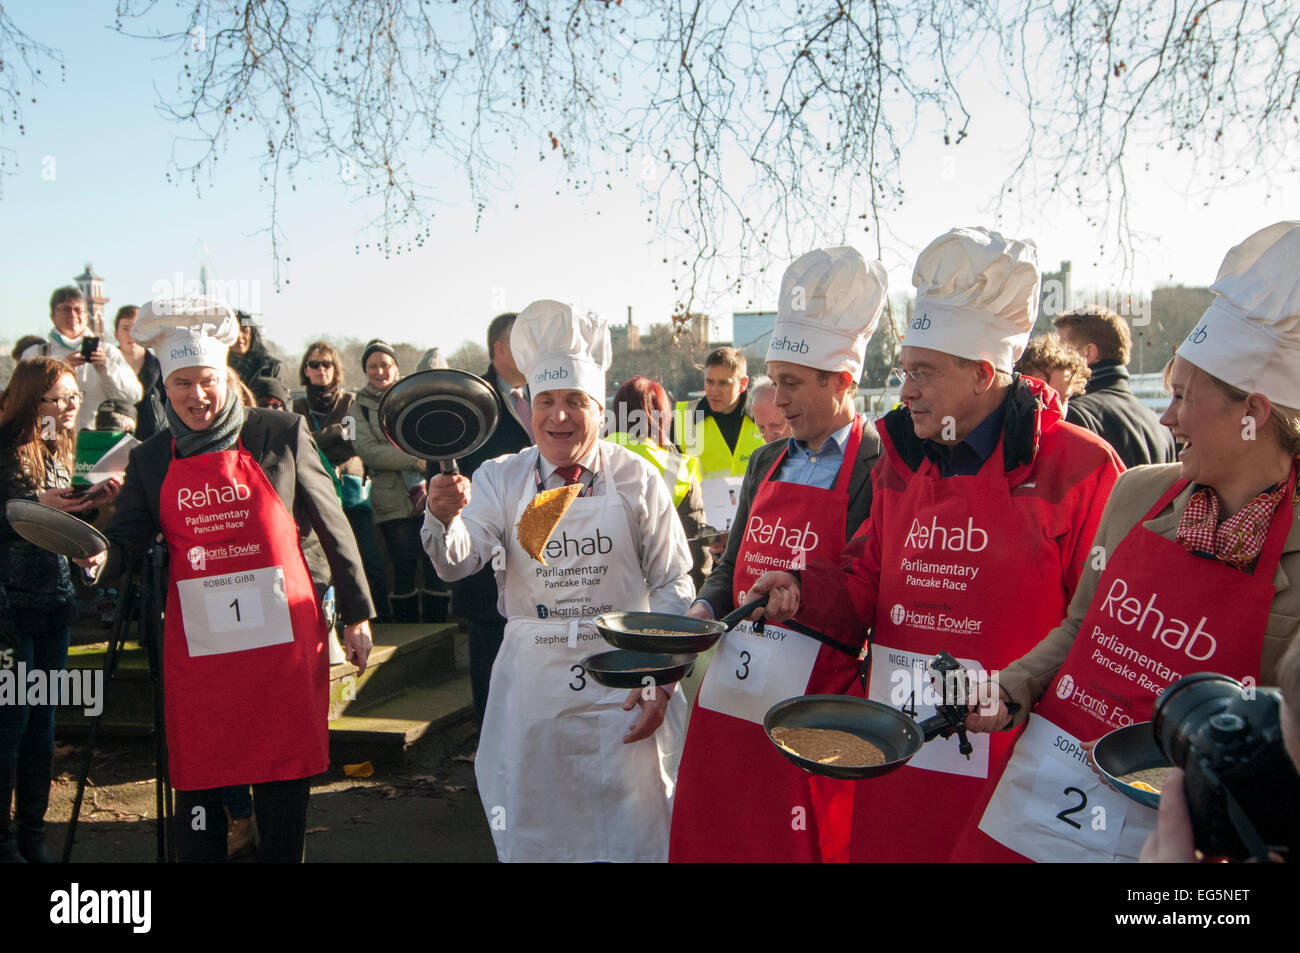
{"x":802,"y":498}
{"x":1194,"y":578}
{"x":983,"y":508}
{"x":233,"y":492}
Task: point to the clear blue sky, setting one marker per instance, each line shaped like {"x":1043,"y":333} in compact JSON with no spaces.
{"x":101,"y":137}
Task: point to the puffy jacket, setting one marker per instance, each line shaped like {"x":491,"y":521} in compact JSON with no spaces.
{"x":328,"y":423}
{"x":389,"y":467}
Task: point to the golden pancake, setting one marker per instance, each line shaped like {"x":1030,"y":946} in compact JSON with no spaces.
{"x":542,"y":515}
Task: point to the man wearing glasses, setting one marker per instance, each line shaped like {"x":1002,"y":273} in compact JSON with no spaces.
{"x":985,"y":504}
{"x":102,"y":372}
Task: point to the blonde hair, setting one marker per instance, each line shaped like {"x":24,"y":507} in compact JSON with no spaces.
{"x":1285,"y":419}
{"x":1046,"y":353}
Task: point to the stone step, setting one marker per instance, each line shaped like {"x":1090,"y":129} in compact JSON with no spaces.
{"x":383,"y":733}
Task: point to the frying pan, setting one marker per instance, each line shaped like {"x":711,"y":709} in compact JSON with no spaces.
{"x":54,"y":530}
{"x":439,"y":415}
{"x":898,"y":736}
{"x":622,"y":669}
{"x":1126,"y":750}
{"x":625,"y":630}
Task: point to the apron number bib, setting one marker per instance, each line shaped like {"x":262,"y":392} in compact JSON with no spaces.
{"x":751,"y":673}
{"x":235,"y":612}
{"x":896,"y":677}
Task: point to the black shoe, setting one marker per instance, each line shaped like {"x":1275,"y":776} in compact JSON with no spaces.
{"x":31,"y":845}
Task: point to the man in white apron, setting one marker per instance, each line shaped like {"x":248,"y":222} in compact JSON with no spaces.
{"x":564,"y":771}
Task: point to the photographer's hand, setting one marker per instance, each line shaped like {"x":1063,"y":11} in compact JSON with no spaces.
{"x":1172,"y":843}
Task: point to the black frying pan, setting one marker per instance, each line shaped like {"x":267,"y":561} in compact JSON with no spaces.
{"x":1126,"y":750}
{"x":626,"y":630}
{"x":54,"y":530}
{"x":439,"y":415}
{"x":620,"y":669}
{"x":898,"y":736}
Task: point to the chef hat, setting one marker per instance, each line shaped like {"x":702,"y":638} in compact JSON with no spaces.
{"x":557,"y":351}
{"x":187,"y":332}
{"x":1250,"y":335}
{"x":830,"y":303}
{"x":976,"y":296}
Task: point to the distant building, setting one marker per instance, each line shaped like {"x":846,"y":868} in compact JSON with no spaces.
{"x":92,"y":289}
{"x":625,"y":337}
{"x":1055,"y":297}
{"x":750,"y":332}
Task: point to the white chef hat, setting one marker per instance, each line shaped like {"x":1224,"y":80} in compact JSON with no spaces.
{"x":192,"y":331}
{"x":830,"y":303}
{"x":1249,"y":337}
{"x":976,"y":296}
{"x":557,"y":351}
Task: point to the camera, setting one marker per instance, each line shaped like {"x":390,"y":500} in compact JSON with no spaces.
{"x":1241,"y":786}
{"x":88,"y":346}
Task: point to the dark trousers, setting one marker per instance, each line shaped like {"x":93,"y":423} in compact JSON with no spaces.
{"x":402,"y":537}
{"x":27,"y":731}
{"x":484,"y":643}
{"x":281,"y":808}
{"x":362,"y":521}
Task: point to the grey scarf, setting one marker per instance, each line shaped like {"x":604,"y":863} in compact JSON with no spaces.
{"x":222,"y":435}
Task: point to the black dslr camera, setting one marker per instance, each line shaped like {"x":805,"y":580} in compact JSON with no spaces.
{"x":1242,"y":789}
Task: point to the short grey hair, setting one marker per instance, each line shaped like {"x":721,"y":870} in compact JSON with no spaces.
{"x":761,"y":388}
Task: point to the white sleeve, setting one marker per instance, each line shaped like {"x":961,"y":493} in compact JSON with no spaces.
{"x":119,"y":381}
{"x":465,"y":546}
{"x":665,"y":557}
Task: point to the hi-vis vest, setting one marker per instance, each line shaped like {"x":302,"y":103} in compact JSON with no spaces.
{"x":708,"y":445}
{"x":677,"y":469}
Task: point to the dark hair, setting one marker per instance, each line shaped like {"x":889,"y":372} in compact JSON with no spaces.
{"x":66,"y":293}
{"x":124,"y":312}
{"x":645,"y":404}
{"x":499,"y":328}
{"x":20,"y":417}
{"x":328,"y":350}
{"x":1102,"y":327}
{"x":729,"y":358}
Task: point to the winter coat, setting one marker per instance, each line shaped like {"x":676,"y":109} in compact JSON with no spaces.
{"x":1110,"y":408}
{"x":389,"y":468}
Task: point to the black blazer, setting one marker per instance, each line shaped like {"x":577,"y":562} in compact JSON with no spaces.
{"x":283,"y":448}
{"x":475,"y":597}
{"x":716,"y":590}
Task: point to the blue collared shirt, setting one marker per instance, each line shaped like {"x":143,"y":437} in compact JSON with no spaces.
{"x":817,"y":468}
{"x":967,"y":457}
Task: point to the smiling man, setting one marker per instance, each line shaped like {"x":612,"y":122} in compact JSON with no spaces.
{"x":565,"y":773}
{"x":985,"y":503}
{"x":802,"y":498}
{"x":718,"y":428}
{"x":104,"y":376}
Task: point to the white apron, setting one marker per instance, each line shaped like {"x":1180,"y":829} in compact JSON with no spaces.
{"x":556,"y":780}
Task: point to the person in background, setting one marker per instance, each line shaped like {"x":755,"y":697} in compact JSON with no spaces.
{"x":762,"y":404}
{"x":1108,"y":406}
{"x":37,"y":599}
{"x":104,"y":375}
{"x":475,"y":597}
{"x":239,"y":388}
{"x":431,"y":359}
{"x":248,"y":355}
{"x":984,"y":506}
{"x":1053,"y":363}
{"x":718,"y":429}
{"x":149,"y":411}
{"x":642,"y":418}
{"x":397,"y":494}
{"x":801,"y":500}
{"x":330,"y":417}
{"x":270,"y":393}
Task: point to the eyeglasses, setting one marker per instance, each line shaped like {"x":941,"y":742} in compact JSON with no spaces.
{"x":919,"y":378}
{"x":65,"y":401}
{"x":71,"y":309}
{"x":318,"y":365}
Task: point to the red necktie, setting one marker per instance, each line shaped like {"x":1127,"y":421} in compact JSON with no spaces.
{"x":571,"y":474}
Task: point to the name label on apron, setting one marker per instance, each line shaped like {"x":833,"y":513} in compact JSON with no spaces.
{"x":750,"y":673}
{"x":235,"y":612}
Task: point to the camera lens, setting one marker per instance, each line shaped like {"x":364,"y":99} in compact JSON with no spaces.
{"x":1185,"y":706}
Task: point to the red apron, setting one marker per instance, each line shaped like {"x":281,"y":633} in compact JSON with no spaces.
{"x":244,"y":660}
{"x":737,"y":798}
{"x":1159,"y":613}
{"x":954,"y":551}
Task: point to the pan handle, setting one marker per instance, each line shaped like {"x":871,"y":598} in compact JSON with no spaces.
{"x":449,"y":467}
{"x":736,"y":616}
